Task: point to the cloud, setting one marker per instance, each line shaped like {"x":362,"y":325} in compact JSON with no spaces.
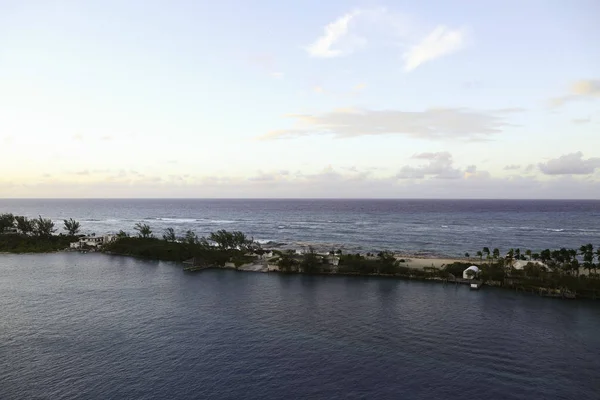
{"x":327,"y":183}
{"x":354,"y":30}
{"x":337,"y":33}
{"x":277,"y":75}
{"x":318,"y":89}
{"x":440,"y":42}
{"x":434,"y":124}
{"x":471,"y":172}
{"x":360,"y":86}
{"x":512,"y":167}
{"x":579,"y":90}
{"x":439,"y":166}
{"x":570,"y":164}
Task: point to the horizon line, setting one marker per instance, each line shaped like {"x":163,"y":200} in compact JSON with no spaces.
{"x":296,"y":198}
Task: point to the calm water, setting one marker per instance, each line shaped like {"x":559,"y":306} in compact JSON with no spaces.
{"x":444,"y":227}
{"x":100,"y":327}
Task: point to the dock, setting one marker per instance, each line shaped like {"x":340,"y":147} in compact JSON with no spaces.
{"x":476,"y":285}
{"x":195,"y":265}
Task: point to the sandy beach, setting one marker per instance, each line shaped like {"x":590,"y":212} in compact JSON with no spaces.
{"x":424,"y":262}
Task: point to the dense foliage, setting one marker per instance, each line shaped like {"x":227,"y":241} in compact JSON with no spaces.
{"x":19,"y":243}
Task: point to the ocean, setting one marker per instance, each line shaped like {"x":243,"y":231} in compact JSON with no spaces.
{"x":93,"y":326}
{"x":421,"y":227}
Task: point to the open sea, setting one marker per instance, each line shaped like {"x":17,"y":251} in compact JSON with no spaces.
{"x":426,"y":227}
{"x":93,"y":326}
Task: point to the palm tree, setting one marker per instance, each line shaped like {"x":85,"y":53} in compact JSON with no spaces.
{"x":496,"y":253}
{"x":486,"y":251}
{"x":143,"y":230}
{"x":480,"y":255}
{"x":169,"y":235}
{"x":518,"y":254}
{"x":24,"y":225}
{"x":510,"y":256}
{"x":575,"y":265}
{"x":528,"y":254}
{"x":587,"y":251}
{"x":71,"y":226}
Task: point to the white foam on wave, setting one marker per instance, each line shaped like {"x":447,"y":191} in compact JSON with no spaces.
{"x":176,"y":220}
{"x":221,"y":221}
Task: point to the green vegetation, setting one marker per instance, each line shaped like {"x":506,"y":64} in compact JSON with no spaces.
{"x":19,"y":243}
{"x":71,"y":226}
{"x":219,"y":248}
{"x":547,"y":272}
{"x":143,"y":230}
{"x":20,"y":234}
{"x":572,"y":271}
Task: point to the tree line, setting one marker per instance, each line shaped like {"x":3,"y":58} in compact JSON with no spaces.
{"x":563,"y":260}
{"x":40,"y":226}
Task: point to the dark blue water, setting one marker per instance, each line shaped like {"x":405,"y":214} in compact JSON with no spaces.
{"x":442,"y":227}
{"x":99,"y":327}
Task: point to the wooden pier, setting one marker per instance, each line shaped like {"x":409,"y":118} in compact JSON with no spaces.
{"x":194,"y":265}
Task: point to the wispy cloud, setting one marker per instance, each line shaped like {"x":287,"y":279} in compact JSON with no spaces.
{"x":336,"y":40}
{"x":435,"y":124}
{"x":570,"y":164}
{"x":579,"y":90}
{"x":356,"y":29}
{"x":440,"y":42}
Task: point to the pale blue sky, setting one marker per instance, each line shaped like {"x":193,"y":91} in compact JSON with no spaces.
{"x":300,"y":99}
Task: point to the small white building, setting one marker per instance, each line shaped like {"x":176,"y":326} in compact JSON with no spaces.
{"x":264,"y":256}
{"x":466,"y":273}
{"x":93,"y":241}
{"x":333,"y":260}
{"x":520,"y":264}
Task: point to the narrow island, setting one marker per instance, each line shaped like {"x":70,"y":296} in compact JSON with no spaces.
{"x":561,"y":273}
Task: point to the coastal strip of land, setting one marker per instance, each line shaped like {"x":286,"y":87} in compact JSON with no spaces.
{"x":566,"y":273}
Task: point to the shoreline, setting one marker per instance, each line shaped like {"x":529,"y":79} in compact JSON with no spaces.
{"x":417,"y":264}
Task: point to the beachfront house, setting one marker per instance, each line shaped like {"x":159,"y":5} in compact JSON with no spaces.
{"x":471,"y":272}
{"x":520,"y":264}
{"x":333,"y":259}
{"x":92,"y":241}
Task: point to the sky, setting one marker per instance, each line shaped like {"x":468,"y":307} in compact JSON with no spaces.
{"x":310,"y":99}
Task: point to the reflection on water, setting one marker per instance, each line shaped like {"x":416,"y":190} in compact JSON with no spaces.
{"x":96,"y":327}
